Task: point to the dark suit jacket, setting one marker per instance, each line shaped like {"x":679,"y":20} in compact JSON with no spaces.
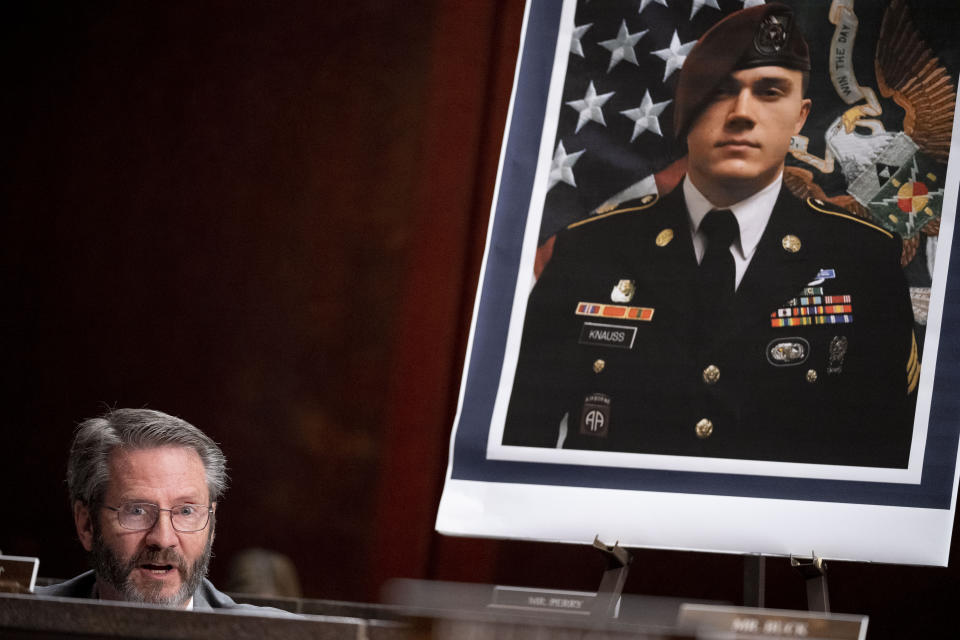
{"x":205,"y":598}
{"x":818,"y":393}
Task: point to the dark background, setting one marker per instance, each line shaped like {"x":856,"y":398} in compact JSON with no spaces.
{"x":268,"y":219}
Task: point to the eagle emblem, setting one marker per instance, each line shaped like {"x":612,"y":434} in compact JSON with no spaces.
{"x":893,"y":178}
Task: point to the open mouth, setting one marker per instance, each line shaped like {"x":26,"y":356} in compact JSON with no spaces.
{"x":157,"y":569}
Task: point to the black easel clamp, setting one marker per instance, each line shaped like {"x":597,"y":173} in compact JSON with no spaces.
{"x":614,"y":577}
{"x":814,"y":571}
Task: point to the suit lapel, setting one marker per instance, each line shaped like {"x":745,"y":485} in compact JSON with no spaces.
{"x":200,"y":600}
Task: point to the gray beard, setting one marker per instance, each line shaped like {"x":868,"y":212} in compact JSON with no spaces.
{"x":114,"y":571}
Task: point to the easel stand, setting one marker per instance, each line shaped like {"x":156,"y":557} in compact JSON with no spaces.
{"x":754,"y":581}
{"x":614,"y":577}
{"x":813,"y":570}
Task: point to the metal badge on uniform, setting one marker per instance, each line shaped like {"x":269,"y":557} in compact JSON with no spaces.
{"x":772,"y":33}
{"x":787,"y":352}
{"x":623,"y":291}
{"x":823,"y":274}
{"x":837,"y":351}
{"x":595,"y":419}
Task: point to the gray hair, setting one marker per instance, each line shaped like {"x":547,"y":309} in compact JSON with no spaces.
{"x":88,"y":469}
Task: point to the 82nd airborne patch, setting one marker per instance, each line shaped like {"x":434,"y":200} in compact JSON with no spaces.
{"x":595,"y":417}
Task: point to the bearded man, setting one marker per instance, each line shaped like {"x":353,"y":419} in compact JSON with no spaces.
{"x":144,"y":487}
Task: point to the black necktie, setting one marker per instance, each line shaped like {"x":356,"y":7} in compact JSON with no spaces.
{"x":717,"y":269}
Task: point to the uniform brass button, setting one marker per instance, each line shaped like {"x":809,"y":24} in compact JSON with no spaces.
{"x":664,"y":237}
{"x":711,"y":374}
{"x":598,"y":366}
{"x":811,"y":376}
{"x":704,"y":428}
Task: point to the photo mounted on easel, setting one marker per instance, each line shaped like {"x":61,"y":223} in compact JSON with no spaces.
{"x":717,"y":277}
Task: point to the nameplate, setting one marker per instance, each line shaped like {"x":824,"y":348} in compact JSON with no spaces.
{"x":607,"y":335}
{"x":519,"y":598}
{"x":18,"y":574}
{"x":746,"y":622}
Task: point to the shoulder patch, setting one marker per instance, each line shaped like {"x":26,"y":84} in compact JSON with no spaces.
{"x":646,"y":202}
{"x":833,"y":210}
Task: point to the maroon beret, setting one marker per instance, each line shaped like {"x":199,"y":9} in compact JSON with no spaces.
{"x":765,"y":35}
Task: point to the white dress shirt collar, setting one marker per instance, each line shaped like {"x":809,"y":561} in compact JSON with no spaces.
{"x":752,"y":216}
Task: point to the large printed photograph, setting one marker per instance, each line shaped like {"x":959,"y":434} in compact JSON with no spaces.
{"x":629,"y":346}
{"x":718,"y":303}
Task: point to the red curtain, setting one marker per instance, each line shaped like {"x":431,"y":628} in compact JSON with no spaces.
{"x":474,"y":52}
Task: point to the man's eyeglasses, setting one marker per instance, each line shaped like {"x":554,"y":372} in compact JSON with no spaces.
{"x":140,"y":516}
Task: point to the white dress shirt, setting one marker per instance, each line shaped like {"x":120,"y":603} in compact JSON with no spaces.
{"x":752,"y":215}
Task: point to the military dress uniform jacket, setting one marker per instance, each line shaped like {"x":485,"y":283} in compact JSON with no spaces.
{"x":814,"y":361}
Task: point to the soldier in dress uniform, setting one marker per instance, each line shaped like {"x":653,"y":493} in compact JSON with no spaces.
{"x":728,"y":319}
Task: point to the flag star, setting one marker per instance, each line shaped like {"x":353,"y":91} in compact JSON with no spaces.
{"x":645,"y":117}
{"x":644,"y":3}
{"x":699,"y":4}
{"x":674,"y":55}
{"x":590,"y":107}
{"x":621,"y":48}
{"x":575,"y":46}
{"x":752,"y":3}
{"x":561,"y":169}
